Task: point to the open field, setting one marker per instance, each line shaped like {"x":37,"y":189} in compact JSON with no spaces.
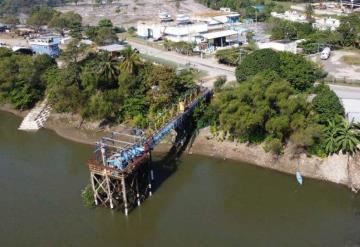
{"x":342,"y":65}
{"x":129,"y":12}
{"x":351,"y":60}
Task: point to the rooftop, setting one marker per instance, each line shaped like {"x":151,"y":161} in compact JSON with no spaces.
{"x":219,"y":34}
{"x":112,"y":48}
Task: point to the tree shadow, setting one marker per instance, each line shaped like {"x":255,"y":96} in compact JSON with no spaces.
{"x":169,"y":162}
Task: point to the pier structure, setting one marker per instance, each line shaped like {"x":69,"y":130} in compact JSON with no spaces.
{"x":120,"y":171}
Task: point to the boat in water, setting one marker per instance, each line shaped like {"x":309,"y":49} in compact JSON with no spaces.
{"x":299,"y":178}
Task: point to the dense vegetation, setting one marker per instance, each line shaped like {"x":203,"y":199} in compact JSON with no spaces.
{"x":181,"y":47}
{"x":347,"y":35}
{"x":98,"y":86}
{"x":231,"y":56}
{"x":17,"y":6}
{"x":21,"y":81}
{"x":298,"y":71}
{"x":273,"y":104}
{"x":47,"y":16}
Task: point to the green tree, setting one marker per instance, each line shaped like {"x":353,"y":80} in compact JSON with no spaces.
{"x":21,"y":82}
{"x":130,"y":62}
{"x":65,"y":20}
{"x":105,"y":35}
{"x":327,"y":104}
{"x":74,"y":52}
{"x":219,"y":83}
{"x":350,"y":30}
{"x":11,"y":20}
{"x":40,"y":16}
{"x":63,"y":89}
{"x":300,"y":72}
{"x":330,"y":136}
{"x":107,"y":68}
{"x":257,"y":61}
{"x":347,"y":138}
{"x":105,"y":23}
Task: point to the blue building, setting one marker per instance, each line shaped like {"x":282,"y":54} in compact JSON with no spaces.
{"x":46,"y":45}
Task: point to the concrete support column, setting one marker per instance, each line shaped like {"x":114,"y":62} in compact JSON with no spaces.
{"x":137,"y":189}
{"x":109,"y":192}
{"x":93,"y":187}
{"x":124,"y":195}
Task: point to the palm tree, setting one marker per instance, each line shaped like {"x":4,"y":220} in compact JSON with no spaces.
{"x":331,"y":132}
{"x":348,"y":140}
{"x":131,"y":61}
{"x":107,"y":68}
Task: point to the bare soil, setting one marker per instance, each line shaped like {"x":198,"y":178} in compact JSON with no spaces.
{"x":129,"y":12}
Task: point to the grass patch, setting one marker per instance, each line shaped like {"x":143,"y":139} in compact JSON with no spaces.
{"x":351,"y":59}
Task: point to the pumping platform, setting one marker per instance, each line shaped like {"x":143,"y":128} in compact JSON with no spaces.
{"x":120,"y":170}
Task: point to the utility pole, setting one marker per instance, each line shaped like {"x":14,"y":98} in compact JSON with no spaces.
{"x":241,"y":53}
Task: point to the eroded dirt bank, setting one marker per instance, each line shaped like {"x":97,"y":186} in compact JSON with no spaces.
{"x":332,"y":169}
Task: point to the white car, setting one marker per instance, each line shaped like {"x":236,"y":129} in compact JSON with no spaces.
{"x":325,"y":54}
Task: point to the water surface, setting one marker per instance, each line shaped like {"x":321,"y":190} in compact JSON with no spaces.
{"x":206,"y":202}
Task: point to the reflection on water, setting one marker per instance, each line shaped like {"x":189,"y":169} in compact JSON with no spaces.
{"x":206,"y":202}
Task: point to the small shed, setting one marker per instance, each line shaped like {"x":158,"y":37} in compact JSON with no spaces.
{"x":279,"y":45}
{"x":220,"y":38}
{"x":114,"y":49}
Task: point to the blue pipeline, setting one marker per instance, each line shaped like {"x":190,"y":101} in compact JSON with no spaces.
{"x":122,"y":159}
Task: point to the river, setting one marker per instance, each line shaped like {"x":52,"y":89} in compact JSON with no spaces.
{"x":206,"y":202}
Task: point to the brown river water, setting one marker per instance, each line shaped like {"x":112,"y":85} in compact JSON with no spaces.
{"x":206,"y":202}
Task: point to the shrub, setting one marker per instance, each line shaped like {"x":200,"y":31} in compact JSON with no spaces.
{"x":230,"y":56}
{"x":301,"y":73}
{"x":218,"y":84}
{"x":273,"y":145}
{"x":131,"y":30}
{"x":327,"y":104}
{"x":256,"y":62}
{"x":88,"y":197}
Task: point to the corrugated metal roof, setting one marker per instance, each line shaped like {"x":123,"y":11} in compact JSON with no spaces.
{"x":219,"y":34}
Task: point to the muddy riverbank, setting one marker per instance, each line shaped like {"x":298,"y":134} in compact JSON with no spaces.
{"x":334,"y":169}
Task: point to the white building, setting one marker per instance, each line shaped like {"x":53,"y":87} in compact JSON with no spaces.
{"x":319,"y":23}
{"x":217,"y":19}
{"x":293,"y":16}
{"x":187,"y":33}
{"x":150,"y":30}
{"x":279,"y":45}
{"x":326,"y":23}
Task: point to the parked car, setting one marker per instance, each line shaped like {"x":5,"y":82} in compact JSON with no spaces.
{"x":325,"y":54}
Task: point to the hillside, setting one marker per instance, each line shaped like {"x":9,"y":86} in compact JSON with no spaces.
{"x":24,"y":6}
{"x":128,"y":12}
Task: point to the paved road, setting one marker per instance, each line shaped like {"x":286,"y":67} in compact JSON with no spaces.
{"x":346,"y":92}
{"x":214,"y":69}
{"x":210,"y":66}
